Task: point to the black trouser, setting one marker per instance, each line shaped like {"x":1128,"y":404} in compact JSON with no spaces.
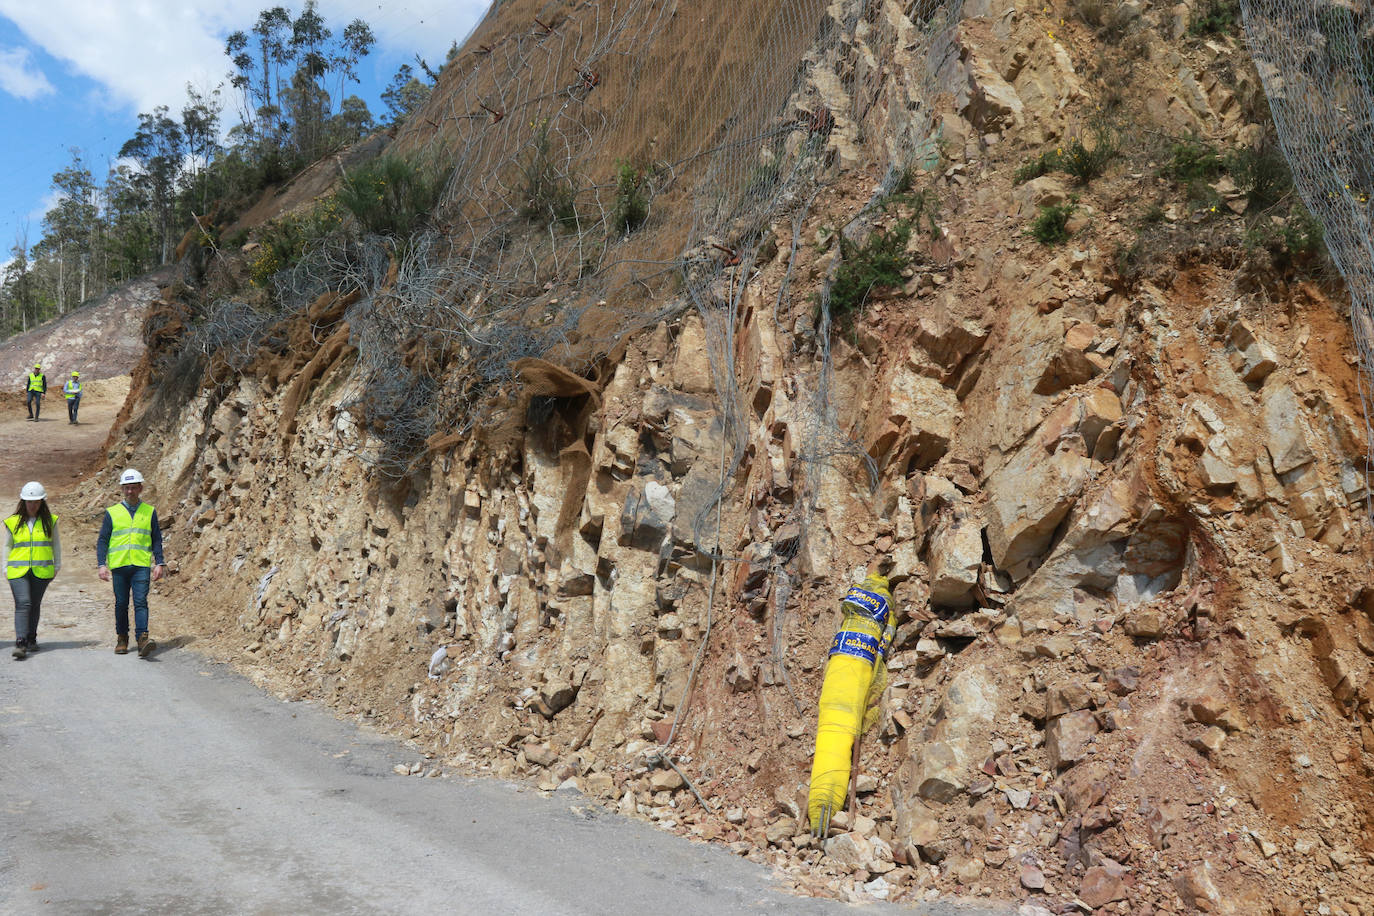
{"x":34,"y":403}
{"x":28,"y":592}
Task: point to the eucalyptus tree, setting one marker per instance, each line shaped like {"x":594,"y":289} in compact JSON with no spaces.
{"x":158,"y":148}
{"x":72,"y":232}
{"x":285,"y":70}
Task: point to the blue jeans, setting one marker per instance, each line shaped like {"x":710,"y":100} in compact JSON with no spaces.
{"x":73,"y":405}
{"x":28,"y":592}
{"x":133,"y":579}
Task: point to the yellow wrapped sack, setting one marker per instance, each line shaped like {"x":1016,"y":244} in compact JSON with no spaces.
{"x":855,"y":675}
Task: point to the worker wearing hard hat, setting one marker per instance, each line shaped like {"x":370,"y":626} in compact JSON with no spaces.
{"x":32,"y":555}
{"x":35,"y":387}
{"x":129,"y":554}
{"x":71,"y":390}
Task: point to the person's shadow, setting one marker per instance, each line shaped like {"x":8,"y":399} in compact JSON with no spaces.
{"x":49,"y":645}
{"x":165,"y":645}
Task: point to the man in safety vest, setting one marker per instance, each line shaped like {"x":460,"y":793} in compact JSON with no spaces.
{"x":129,"y":554}
{"x":72,"y":392}
{"x":37,"y":387}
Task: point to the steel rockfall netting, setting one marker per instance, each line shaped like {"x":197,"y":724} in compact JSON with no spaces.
{"x":610,"y":164}
{"x":1316,"y":60}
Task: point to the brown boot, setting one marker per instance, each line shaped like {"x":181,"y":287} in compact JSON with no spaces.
{"x":122,"y":645}
{"x":145,"y":646}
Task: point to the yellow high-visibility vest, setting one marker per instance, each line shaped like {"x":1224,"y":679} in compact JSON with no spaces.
{"x":131,"y":536}
{"x":31,"y":550}
{"x":35,"y":381}
{"x":71,"y":389}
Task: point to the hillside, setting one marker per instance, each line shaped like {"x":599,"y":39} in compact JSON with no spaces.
{"x":566,"y":496}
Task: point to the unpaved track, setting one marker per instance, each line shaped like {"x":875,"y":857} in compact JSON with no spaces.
{"x":172,"y":785}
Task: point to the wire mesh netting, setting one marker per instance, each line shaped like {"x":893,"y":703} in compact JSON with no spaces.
{"x":1316,"y":60}
{"x":609,"y":164}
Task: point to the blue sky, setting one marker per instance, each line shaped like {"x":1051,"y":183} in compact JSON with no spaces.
{"x":76,"y":73}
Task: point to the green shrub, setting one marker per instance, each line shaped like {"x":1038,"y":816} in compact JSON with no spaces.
{"x":392,"y":195}
{"x":631,"y":198}
{"x":1299,"y":241}
{"x":284,"y":240}
{"x":921,"y":208}
{"x":877,"y":263}
{"x":1216,"y":17}
{"x":1190,"y":159}
{"x":549,"y":194}
{"x":1262,"y":173}
{"x":1051,"y":227}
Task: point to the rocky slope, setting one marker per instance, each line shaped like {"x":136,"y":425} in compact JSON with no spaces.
{"x":1121,"y":500}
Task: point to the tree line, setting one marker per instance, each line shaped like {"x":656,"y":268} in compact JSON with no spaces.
{"x":288,"y":82}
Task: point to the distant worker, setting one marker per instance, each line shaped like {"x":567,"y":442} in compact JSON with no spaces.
{"x":32,"y":555}
{"x":72,"y":392}
{"x":36,"y":388}
{"x":129,"y":553}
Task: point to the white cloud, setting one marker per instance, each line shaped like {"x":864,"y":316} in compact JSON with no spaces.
{"x":145,"y":53}
{"x":20,"y":77}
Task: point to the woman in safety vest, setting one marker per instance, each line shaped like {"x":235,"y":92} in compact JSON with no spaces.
{"x":32,"y":555}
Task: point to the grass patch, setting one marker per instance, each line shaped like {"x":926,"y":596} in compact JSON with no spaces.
{"x":1298,"y":243}
{"x":1191,"y":159}
{"x":1041,"y":165}
{"x":1077,"y":159}
{"x":1085,"y":163}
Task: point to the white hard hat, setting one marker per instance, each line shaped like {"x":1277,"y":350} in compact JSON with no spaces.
{"x":33,"y":490}
{"x":130,"y":476}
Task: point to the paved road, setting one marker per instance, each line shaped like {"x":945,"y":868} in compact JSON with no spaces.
{"x":172,"y":785}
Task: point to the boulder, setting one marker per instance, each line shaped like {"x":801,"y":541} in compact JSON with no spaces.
{"x":939,"y":769}
{"x":918,"y":419}
{"x":1286,"y":442}
{"x":1028,"y":498}
{"x":1100,"y":887}
{"x":1084,"y":786}
{"x":1072,"y":364}
{"x":692,"y":362}
{"x":1251,"y":357}
{"x":956,"y":552}
{"x":647,"y":516}
{"x":1068,"y":738}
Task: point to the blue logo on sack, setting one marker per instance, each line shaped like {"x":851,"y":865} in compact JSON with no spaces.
{"x":873,"y":605}
{"x":858,"y":645}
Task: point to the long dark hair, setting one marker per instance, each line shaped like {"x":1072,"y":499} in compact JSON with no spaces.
{"x":44,"y":515}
